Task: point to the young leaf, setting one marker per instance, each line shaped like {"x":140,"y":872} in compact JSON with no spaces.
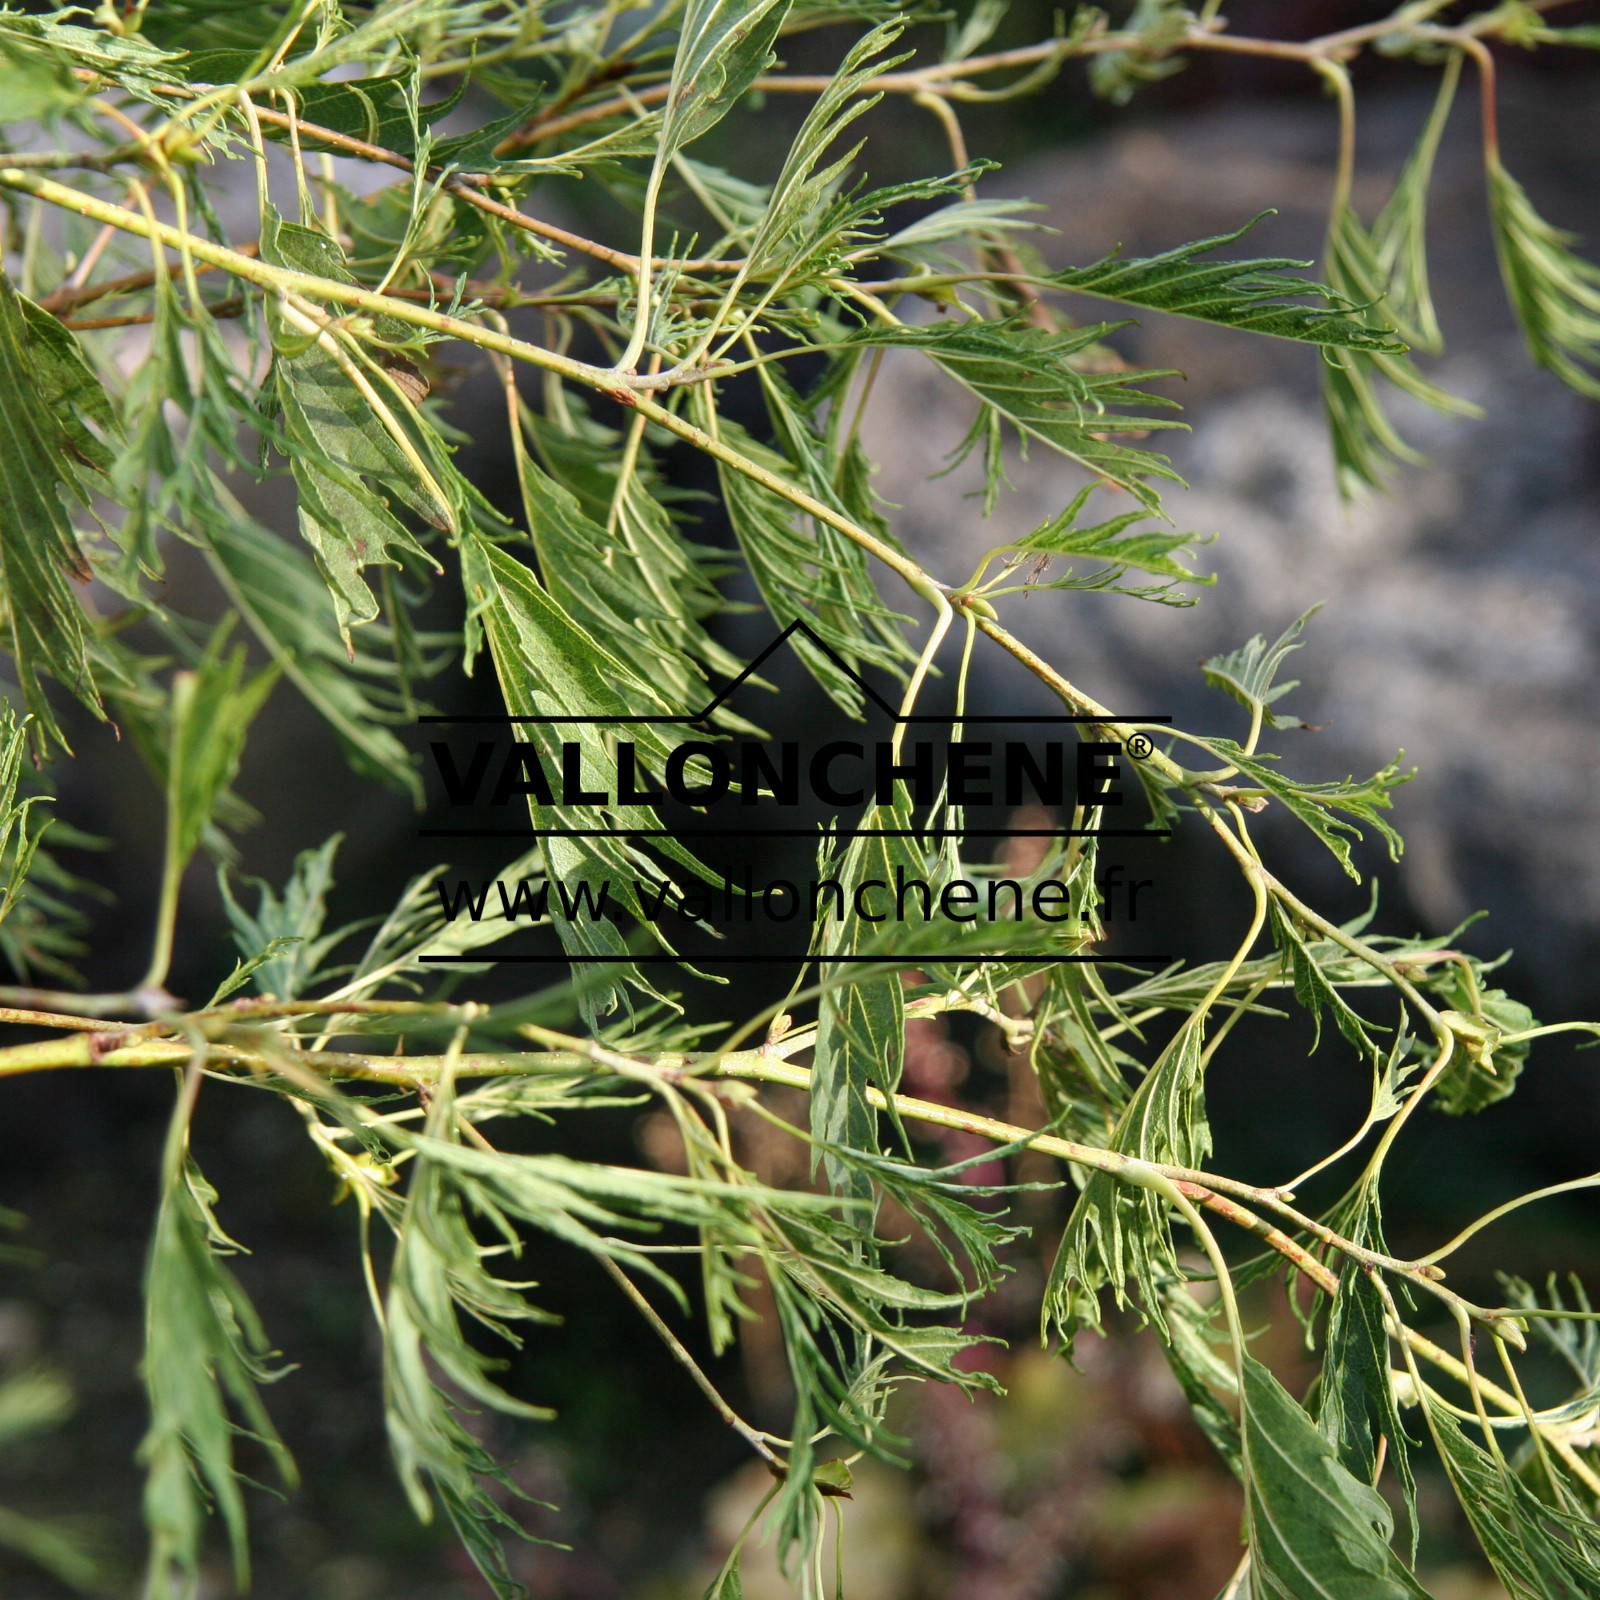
{"x":1479,"y":1077}
{"x":1248,"y":672}
{"x":797,"y":231}
{"x":282,"y":946}
{"x":1160,"y":27}
{"x":1108,"y":542}
{"x":1323,"y":807}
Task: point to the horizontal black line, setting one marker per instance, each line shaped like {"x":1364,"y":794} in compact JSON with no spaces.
{"x":691,"y":721}
{"x":911,"y":960}
{"x":792,"y":833}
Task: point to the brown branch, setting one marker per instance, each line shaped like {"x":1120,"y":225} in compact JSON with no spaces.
{"x":61,"y":302}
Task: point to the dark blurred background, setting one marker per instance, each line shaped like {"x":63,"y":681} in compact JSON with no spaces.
{"x":1459,"y":622}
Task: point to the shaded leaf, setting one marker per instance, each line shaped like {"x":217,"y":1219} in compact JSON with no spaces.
{"x":212,"y":709}
{"x":50,"y":403}
{"x":204,"y":1351}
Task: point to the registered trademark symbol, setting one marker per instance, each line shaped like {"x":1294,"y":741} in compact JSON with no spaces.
{"x":1138,"y":747}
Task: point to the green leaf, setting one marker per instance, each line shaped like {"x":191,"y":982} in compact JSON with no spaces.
{"x":1208,"y":1380}
{"x":282,"y":946}
{"x":1160,"y":26}
{"x":275,"y":587}
{"x":49,"y":403}
{"x":1120,"y":1231}
{"x":1025,"y":376}
{"x":1554,"y":293}
{"x":723,"y":46}
{"x":1482,"y":1070}
{"x":1108,"y":542}
{"x":133,"y":62}
{"x":628,"y":599}
{"x":204,"y":1350}
{"x":1400,"y":234}
{"x":966,"y":219}
{"x":438,"y":1271}
{"x":1248,"y":672}
{"x":212,"y":709}
{"x":34,"y":82}
{"x":805,"y":572}
{"x":1082,"y":1076}
{"x":63,"y":1546}
{"x":1325,"y":808}
{"x":1365,"y":441}
{"x":1312,"y":988}
{"x":1315,"y":1531}
{"x":799,"y":231}
{"x":1248,"y":295}
{"x":1536,"y":1552}
{"x":548,"y":664}
{"x":860,"y":1025}
{"x":355,"y":440}
{"x":1357,"y":1410}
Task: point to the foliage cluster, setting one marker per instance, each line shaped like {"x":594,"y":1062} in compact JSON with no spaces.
{"x":306,"y":347}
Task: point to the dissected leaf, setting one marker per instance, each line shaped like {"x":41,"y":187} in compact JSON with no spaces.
{"x":1248,"y":672}
{"x":1554,"y":293}
{"x":212,"y":709}
{"x":1313,"y":1528}
{"x":1365,"y":441}
{"x":1112,"y":543}
{"x":1325,"y":808}
{"x":205,"y":1352}
{"x":1400,"y":234}
{"x":50,"y":405}
{"x":1025,"y":376}
{"x":1237,"y":294}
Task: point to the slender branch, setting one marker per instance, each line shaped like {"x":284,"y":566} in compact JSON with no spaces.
{"x":753,"y":1437}
{"x":949,"y":77}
